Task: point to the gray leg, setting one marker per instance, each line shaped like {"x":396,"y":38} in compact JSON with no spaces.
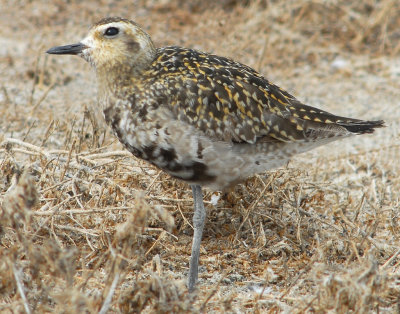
{"x":198,"y":225}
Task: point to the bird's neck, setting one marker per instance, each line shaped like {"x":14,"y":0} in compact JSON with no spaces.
{"x":120,"y":73}
{"x":116,"y":83}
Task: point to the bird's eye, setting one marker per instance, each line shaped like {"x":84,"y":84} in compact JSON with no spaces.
{"x":111,"y":31}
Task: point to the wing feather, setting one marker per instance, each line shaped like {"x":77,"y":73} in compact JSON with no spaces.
{"x":230,"y":101}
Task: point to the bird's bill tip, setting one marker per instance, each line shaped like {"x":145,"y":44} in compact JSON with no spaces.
{"x":73,"y":49}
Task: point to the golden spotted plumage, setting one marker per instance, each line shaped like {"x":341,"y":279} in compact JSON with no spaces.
{"x":221,"y":94}
{"x":204,"y":119}
{"x":220,"y":105}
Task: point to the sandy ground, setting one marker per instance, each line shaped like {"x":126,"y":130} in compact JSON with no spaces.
{"x":84,"y":226}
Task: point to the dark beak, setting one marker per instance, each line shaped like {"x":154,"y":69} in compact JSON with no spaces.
{"x":67,"y":50}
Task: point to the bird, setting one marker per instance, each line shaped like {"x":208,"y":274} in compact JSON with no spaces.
{"x":202,"y":118}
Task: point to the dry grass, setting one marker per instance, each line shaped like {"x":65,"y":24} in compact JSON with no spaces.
{"x":85,"y":227}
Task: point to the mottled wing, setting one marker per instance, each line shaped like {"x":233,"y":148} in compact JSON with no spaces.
{"x":230,"y":101}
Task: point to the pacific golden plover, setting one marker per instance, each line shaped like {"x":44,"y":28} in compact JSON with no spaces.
{"x":202,"y":118}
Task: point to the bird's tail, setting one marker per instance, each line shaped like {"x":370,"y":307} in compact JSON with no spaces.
{"x":360,"y":126}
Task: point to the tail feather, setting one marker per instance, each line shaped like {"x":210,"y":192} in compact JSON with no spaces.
{"x":320,"y":123}
{"x":361,"y":127}
{"x":336,"y":128}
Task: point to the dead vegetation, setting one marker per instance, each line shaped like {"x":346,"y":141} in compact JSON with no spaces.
{"x":84,"y":227}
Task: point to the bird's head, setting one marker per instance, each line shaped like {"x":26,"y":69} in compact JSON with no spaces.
{"x":113,"y":43}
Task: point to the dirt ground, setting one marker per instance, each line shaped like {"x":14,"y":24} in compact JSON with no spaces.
{"x":85,"y":227}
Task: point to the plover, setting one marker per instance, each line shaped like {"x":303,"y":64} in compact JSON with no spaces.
{"x":202,"y":118}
